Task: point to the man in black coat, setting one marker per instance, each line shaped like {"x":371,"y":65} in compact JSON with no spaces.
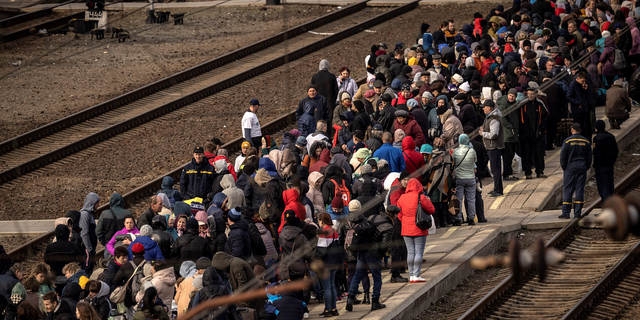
{"x":238,"y":241}
{"x":375,"y":141}
{"x":605,"y":154}
{"x":155,"y":206}
{"x":57,"y":309}
{"x":258,"y":249}
{"x":557,"y":104}
{"x":197,"y":176}
{"x":190,"y":246}
{"x":161,"y":236}
{"x":61,"y":252}
{"x":326,"y":84}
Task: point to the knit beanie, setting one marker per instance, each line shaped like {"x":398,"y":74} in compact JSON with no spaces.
{"x":337,"y":201}
{"x":354,"y":206}
{"x":366,"y":168}
{"x":441,"y":110}
{"x":138,"y":249}
{"x":192,"y":224}
{"x":404,"y":174}
{"x":203,"y":263}
{"x":513,"y":91}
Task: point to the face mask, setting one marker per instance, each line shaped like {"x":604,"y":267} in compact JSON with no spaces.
{"x":348,"y":104}
{"x":371,"y":86}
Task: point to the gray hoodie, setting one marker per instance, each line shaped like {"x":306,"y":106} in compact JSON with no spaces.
{"x":234,"y":195}
{"x":88,"y":222}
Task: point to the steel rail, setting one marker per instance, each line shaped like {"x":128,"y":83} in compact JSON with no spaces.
{"x":46,"y":25}
{"x":28,"y":16}
{"x":486,"y":303}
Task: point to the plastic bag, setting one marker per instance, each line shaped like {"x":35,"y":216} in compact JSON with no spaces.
{"x":516,"y":164}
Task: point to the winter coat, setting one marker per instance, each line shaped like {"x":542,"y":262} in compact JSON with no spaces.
{"x":110,"y":245}
{"x":161,"y":236}
{"x":408,"y":204}
{"x":383,"y":62}
{"x":292,"y":202}
{"x":608,"y":57}
{"x":470,"y":74}
{"x":334,"y":175}
{"x":578,"y":98}
{"x":124,"y":273}
{"x":618,"y":103}
{"x":217,"y":237}
{"x":190,"y":246}
{"x":240,"y":273}
{"x":110,"y":273}
{"x":235,"y":196}
{"x":374,"y":143}
{"x":348,"y":86}
{"x":101,"y":302}
{"x":532,"y":119}
{"x":196,"y":179}
{"x":238,"y":240}
{"x":164,"y":281}
{"x":468,"y":115}
{"x":413,"y":159}
{"x":485,"y":65}
{"x":107,"y":226}
{"x":221,"y":171}
{"x":88,"y":222}
{"x":314,"y":194}
{"x":510,"y":121}
{"x":451,"y":126}
{"x":7,"y":282}
{"x":159,"y":313}
{"x":183,"y":294}
{"x":493,"y":135}
{"x":307,"y":121}
{"x":152,"y":251}
{"x":255,"y":195}
{"x":558,"y":106}
{"x":167,"y":188}
{"x":411,"y":129}
{"x":268,"y":242}
{"x":605,"y":150}
{"x":291,"y":238}
{"x":358,"y":185}
{"x":62,"y":312}
{"x":392,"y":155}
{"x":369,"y":189}
{"x":145,"y":218}
{"x":464,"y":165}
{"x":61,"y":252}
{"x":325,"y":81}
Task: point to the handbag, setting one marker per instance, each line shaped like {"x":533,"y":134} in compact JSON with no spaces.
{"x":423,"y":220}
{"x":118,"y":295}
{"x":454,"y":205}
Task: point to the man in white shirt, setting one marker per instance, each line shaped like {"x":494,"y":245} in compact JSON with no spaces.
{"x":251,"y":126}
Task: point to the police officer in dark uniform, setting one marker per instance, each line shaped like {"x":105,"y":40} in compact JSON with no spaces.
{"x":197,"y":176}
{"x":575,"y":160}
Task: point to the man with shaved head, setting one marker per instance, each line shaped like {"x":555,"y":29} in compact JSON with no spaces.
{"x":388,"y":152}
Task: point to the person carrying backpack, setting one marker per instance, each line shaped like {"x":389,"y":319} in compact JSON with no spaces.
{"x":371,"y":240}
{"x":172,"y":193}
{"x":127,"y":271}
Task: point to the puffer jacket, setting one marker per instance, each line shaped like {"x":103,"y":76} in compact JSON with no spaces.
{"x":100,"y":302}
{"x":190,"y":246}
{"x":268,"y":241}
{"x":306,"y":122}
{"x":152,"y":251}
{"x":235,"y":196}
{"x":238,"y":241}
{"x":291,"y":238}
{"x":383,"y":62}
{"x":314,"y":194}
{"x":107,"y":226}
{"x":408,"y":204}
{"x":464,"y":165}
{"x":164,"y":281}
{"x":411,"y":128}
{"x":292,"y":201}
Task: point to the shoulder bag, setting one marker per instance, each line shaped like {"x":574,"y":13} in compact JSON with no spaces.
{"x":423,"y":219}
{"x":118,"y":295}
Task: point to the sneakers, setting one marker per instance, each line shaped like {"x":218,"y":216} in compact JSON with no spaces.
{"x":412,"y":279}
{"x":416,"y":279}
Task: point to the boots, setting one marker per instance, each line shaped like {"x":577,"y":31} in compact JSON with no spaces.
{"x":350,"y":302}
{"x":366,"y":299}
{"x":375,"y":304}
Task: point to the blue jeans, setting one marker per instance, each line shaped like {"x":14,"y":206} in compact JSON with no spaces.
{"x":415,"y":250}
{"x":466,"y":188}
{"x":330,"y":294}
{"x":366,"y":261}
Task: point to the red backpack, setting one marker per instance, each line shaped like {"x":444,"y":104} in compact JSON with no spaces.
{"x":346,"y":196}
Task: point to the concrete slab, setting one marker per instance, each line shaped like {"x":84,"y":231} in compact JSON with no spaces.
{"x":545,"y":220}
{"x":27,"y":226}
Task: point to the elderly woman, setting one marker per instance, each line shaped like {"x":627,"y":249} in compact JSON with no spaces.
{"x":129,"y":228}
{"x":464,"y":160}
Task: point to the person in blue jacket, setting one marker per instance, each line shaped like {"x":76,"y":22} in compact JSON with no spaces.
{"x":151,"y":250}
{"x":575,"y":160}
{"x":393,"y":155}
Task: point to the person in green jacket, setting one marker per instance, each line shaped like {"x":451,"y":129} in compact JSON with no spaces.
{"x":510,"y":126}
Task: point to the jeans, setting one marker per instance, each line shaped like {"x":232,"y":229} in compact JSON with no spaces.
{"x":330,"y":294}
{"x":415,"y":250}
{"x":495,"y":157}
{"x":317,"y":286}
{"x":366,"y":284}
{"x":466,"y":189}
{"x":367,"y":261}
{"x":604,"y":180}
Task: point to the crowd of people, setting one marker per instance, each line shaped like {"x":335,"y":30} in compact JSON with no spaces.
{"x":368,"y":172}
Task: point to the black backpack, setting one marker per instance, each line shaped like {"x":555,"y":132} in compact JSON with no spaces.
{"x":361,"y":235}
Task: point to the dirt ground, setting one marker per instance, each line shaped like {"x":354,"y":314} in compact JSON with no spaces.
{"x":470,"y":290}
{"x":63,"y":74}
{"x":163,"y":145}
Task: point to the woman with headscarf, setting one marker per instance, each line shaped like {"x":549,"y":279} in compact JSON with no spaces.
{"x":398,"y":135}
{"x":276,"y":157}
{"x":490,"y":79}
{"x":426,"y":62}
{"x":471,"y":73}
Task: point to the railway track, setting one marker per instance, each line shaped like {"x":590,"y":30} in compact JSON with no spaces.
{"x":597,"y":280}
{"x":29,"y":16}
{"x":67,"y":136}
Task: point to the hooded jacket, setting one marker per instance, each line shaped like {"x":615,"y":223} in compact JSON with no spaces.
{"x":101,"y":302}
{"x":327,"y":86}
{"x":183,"y":293}
{"x":112,"y":220}
{"x":167,"y":188}
{"x":212,"y":287}
{"x":292,"y":202}
{"x":408,"y":204}
{"x":369,"y":188}
{"x":451,"y":126}
{"x":221,"y":171}
{"x":240,"y":274}
{"x":468,"y":115}
{"x":383,"y":62}
{"x":235,"y":196}
{"x":411,"y":129}
{"x":152,"y":251}
{"x":412,"y":158}
{"x":161,"y":236}
{"x":164,"y":281}
{"x":307,"y":122}
{"x":323,"y":161}
{"x":314,"y":194}
{"x":238,"y":241}
{"x":292,"y":239}
{"x":196,"y":179}
{"x":61,"y":252}
{"x":255,"y":191}
{"x":608,"y":57}
{"x":217,"y":236}
{"x":88,"y":222}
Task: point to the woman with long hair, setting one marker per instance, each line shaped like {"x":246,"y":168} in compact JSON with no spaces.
{"x":147,"y":309}
{"x":28,"y":312}
{"x":84,"y":311}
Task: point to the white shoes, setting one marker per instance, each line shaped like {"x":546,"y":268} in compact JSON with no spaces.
{"x":418,"y":279}
{"x":412,"y":279}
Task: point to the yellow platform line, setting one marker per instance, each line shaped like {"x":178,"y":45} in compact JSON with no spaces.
{"x":496,"y":203}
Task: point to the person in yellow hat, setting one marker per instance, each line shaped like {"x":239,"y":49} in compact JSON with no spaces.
{"x":240,"y":159}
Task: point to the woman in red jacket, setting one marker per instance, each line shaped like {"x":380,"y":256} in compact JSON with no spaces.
{"x":412,"y":158}
{"x":414,"y":237}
